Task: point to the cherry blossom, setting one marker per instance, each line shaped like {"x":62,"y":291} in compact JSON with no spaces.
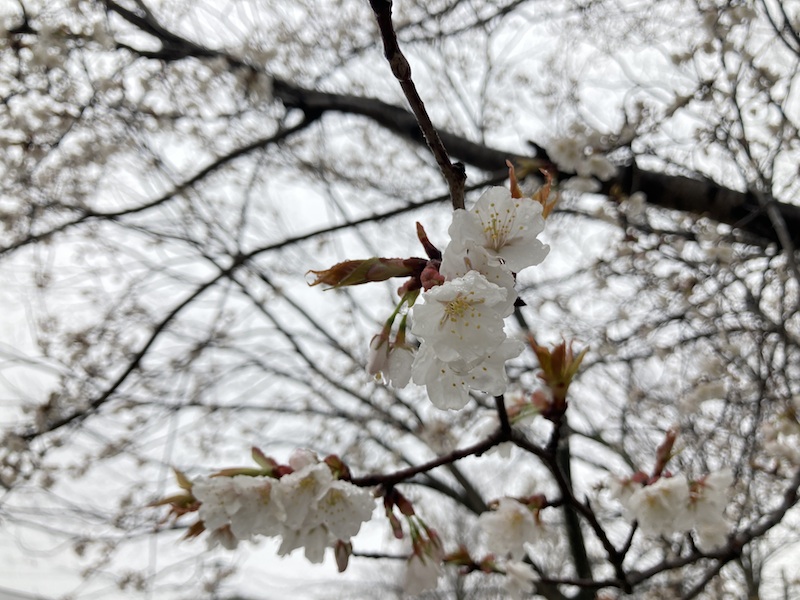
{"x":343,"y":508}
{"x":401,"y":360}
{"x":459,"y":259}
{"x":509,"y":527}
{"x":449,"y":383}
{"x":300,"y":491}
{"x":307,"y":508}
{"x":460,"y":319}
{"x":378,"y":357}
{"x":519,"y":579}
{"x":422,"y":573}
{"x":390,"y":362}
{"x":505,"y":227}
{"x":661,"y":506}
{"x":707,"y":506}
{"x":246,"y":504}
{"x":313,"y":541}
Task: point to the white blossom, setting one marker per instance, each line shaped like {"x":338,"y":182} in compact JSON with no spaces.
{"x":313,"y":541}
{"x":712,"y":536}
{"x":449,"y":383}
{"x":300,"y":491}
{"x":519,"y":579}
{"x":343,"y":508}
{"x":459,"y":319}
{"x":623,"y":489}
{"x":707,"y":507}
{"x":398,"y":371}
{"x":459,"y":259}
{"x":378,"y":357}
{"x":508,"y":528}
{"x":308,"y":508}
{"x":302,"y":458}
{"x":660,"y":508}
{"x":222,"y":537}
{"x":422,"y":573}
{"x":567,"y":153}
{"x":247,"y":504}
{"x":390,"y":362}
{"x":505,"y":227}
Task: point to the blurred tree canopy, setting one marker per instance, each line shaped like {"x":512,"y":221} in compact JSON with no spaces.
{"x":171,"y":169}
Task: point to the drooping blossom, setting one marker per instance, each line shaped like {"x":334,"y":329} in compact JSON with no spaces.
{"x":378,"y":357}
{"x":509,"y":527}
{"x":390,"y":362}
{"x":425,"y":563}
{"x":398,"y":371}
{"x":660,"y":508}
{"x":422,"y":574}
{"x":519,"y":579}
{"x":308,"y":508}
{"x":460,"y":320}
{"x":449,"y":383}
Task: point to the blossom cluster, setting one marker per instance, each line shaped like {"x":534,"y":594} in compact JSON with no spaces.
{"x":467,"y":296}
{"x":581,"y":153}
{"x":675,"y":504}
{"x":509,"y":529}
{"x":308,"y":508}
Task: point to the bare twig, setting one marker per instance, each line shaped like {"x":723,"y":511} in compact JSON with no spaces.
{"x":453,"y":173}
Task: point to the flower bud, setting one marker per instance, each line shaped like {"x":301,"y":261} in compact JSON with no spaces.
{"x":356,"y":272}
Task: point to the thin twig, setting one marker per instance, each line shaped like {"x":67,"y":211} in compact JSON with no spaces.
{"x":454,"y":173}
{"x":405,"y":474}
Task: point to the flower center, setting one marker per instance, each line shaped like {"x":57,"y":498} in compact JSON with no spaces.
{"x":458,"y":308}
{"x":497,"y":229}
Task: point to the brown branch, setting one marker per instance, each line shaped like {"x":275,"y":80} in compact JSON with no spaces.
{"x":502,"y":415}
{"x":694,"y":195}
{"x":91,"y":215}
{"x":390,"y":479}
{"x":453,"y":173}
{"x":734,"y":547}
{"x":82,"y":413}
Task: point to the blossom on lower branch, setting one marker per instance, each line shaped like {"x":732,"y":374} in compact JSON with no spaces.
{"x":510,"y":527}
{"x":308,"y":508}
{"x":245,"y":505}
{"x":519,"y":579}
{"x":674,"y":504}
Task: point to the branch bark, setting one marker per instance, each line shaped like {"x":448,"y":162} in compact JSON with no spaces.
{"x":453,"y":173}
{"x":698,"y":196}
{"x":694,"y":195}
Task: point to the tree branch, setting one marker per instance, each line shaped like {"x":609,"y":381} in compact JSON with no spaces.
{"x":697,"y":196}
{"x":454,"y":173}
